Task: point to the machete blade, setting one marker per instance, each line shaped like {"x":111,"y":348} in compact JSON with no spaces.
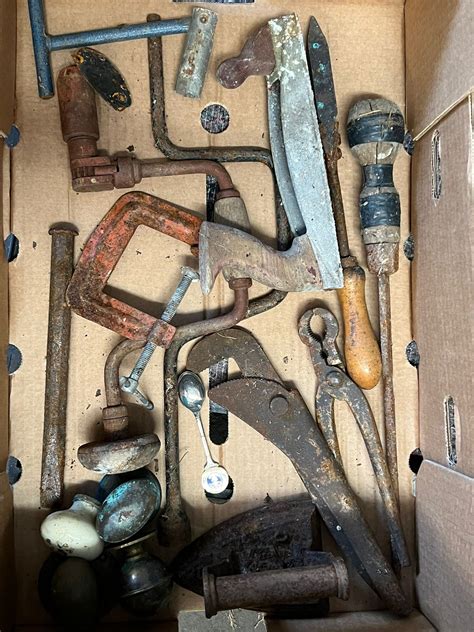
{"x":320,"y":72}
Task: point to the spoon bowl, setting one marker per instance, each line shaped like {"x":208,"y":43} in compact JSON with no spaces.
{"x":191,"y":391}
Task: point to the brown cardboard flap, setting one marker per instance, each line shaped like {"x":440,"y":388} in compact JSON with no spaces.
{"x":443,"y":288}
{"x":7,"y":66}
{"x":7,"y":564}
{"x":439,"y":54}
{"x":444,"y":516}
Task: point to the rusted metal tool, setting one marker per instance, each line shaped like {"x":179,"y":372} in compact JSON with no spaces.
{"x":118,"y":452}
{"x":200,"y":28}
{"x":57,"y":365}
{"x":94,"y":170}
{"x":313,"y":261}
{"x":277,"y":535}
{"x":335,"y":384}
{"x":174,"y":527}
{"x":217,"y":418}
{"x":278,"y":587}
{"x":375,"y":131}
{"x":361,"y":350}
{"x":281,"y":416}
{"x":105,"y":246}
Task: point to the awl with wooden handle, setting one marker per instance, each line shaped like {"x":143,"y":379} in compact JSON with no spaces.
{"x":360,"y":345}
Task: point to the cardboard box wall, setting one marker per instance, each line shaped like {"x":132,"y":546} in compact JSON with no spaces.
{"x":415,"y":53}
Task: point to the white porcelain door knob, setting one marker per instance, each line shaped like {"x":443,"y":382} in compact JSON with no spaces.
{"x":73,"y":531}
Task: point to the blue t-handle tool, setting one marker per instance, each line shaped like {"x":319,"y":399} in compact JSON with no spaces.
{"x":44,"y":44}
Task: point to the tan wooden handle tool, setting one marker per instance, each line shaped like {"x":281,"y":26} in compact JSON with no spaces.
{"x":361,"y":349}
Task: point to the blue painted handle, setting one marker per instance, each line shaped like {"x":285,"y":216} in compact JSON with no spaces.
{"x":41,"y":49}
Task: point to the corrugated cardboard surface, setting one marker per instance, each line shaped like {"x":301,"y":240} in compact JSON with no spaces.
{"x":443,"y":287}
{"x":445,"y":518}
{"x":439,"y":53}
{"x":150,"y":268}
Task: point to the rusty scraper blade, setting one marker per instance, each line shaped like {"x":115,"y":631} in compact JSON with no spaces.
{"x":278,"y":51}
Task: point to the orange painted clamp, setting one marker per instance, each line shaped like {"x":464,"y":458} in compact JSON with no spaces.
{"x":86,"y":295}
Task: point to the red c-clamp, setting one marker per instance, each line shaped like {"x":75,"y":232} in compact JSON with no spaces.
{"x":86,"y":295}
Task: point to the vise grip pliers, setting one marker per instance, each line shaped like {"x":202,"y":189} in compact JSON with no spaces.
{"x":335,"y":383}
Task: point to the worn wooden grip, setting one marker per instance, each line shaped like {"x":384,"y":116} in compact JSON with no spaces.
{"x":360,"y":345}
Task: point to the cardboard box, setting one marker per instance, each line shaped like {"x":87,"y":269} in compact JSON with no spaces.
{"x":417,"y":53}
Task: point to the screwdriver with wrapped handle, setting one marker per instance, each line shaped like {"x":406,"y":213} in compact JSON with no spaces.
{"x":361,"y":349}
{"x":375,"y":130}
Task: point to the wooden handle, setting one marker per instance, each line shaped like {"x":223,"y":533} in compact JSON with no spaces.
{"x":360,"y":345}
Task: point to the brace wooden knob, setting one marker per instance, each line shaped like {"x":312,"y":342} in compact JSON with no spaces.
{"x":361,"y":349}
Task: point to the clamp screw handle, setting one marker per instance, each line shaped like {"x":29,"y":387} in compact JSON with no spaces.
{"x":130,"y":384}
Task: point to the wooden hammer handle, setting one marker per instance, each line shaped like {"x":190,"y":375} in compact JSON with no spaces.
{"x":361,"y":349}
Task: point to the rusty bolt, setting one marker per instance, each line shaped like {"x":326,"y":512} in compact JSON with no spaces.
{"x":279,"y":405}
{"x":334,"y":378}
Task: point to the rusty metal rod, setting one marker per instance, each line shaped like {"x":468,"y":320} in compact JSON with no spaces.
{"x":113,"y":393}
{"x":275,"y":587}
{"x":57,"y":366}
{"x":387,"y":379}
{"x":151,"y":168}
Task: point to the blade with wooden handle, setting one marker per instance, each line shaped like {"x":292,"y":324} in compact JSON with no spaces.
{"x":360,"y":345}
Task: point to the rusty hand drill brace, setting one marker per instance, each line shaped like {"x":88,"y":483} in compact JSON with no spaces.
{"x":86,"y":296}
{"x":91,"y":168}
{"x":334,"y":383}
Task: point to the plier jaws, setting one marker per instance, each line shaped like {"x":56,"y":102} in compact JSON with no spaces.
{"x":335,"y":383}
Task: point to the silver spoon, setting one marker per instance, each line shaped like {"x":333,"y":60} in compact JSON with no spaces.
{"x":215,"y":478}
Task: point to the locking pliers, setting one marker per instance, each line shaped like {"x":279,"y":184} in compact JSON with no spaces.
{"x":335,"y":383}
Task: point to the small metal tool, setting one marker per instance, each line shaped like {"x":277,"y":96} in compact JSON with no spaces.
{"x":277,"y":587}
{"x":130,"y":384}
{"x":44,"y":44}
{"x":281,"y":416}
{"x":215,"y":478}
{"x":335,"y":384}
{"x":361,"y":350}
{"x":196,"y":53}
{"x":375,"y":131}
{"x":57,"y":366}
{"x":86,"y":292}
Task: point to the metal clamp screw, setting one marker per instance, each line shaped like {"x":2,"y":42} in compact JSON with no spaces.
{"x":130,"y":384}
